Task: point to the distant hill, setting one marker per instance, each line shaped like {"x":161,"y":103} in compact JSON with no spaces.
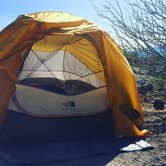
{"x":147,"y":52}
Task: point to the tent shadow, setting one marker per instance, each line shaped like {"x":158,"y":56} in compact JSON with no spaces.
{"x":29,"y":141}
{"x":97,"y":152}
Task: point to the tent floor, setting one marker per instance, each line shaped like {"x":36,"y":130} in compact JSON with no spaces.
{"x":20,"y":128}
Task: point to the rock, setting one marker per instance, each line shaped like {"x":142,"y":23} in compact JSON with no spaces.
{"x":144,"y":86}
{"x":149,"y":87}
{"x":158,"y":104}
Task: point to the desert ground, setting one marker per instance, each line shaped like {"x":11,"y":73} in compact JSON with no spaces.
{"x":95,"y":152}
{"x":155,"y":122}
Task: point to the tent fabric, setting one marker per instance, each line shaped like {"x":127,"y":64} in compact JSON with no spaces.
{"x":51,"y":31}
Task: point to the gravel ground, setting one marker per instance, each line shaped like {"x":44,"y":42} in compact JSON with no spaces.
{"x":155,"y":122}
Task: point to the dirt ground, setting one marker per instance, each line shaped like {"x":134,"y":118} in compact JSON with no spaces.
{"x":155,"y":122}
{"x":96,"y":152}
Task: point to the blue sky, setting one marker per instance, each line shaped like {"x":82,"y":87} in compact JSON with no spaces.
{"x":9,"y":10}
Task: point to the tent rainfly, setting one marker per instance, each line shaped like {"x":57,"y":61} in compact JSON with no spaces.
{"x":59,"y":48}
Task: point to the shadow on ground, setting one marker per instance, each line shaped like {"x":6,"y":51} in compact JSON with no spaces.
{"x":96,"y":152}
{"x":81,"y":141}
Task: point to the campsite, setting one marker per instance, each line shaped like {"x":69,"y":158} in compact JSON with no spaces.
{"x":71,"y":96}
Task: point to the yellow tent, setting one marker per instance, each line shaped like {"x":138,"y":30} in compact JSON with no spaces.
{"x":48,"y":32}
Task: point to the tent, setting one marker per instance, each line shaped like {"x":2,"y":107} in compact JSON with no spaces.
{"x":46,"y":49}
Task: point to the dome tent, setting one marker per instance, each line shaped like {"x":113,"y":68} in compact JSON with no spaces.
{"x":30,"y":43}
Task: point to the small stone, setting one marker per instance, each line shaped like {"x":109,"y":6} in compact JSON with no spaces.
{"x":158,"y":104}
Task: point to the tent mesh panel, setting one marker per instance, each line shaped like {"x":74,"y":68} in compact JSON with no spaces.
{"x":62,"y":67}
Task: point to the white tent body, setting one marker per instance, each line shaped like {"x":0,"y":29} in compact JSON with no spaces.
{"x":40,"y":103}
